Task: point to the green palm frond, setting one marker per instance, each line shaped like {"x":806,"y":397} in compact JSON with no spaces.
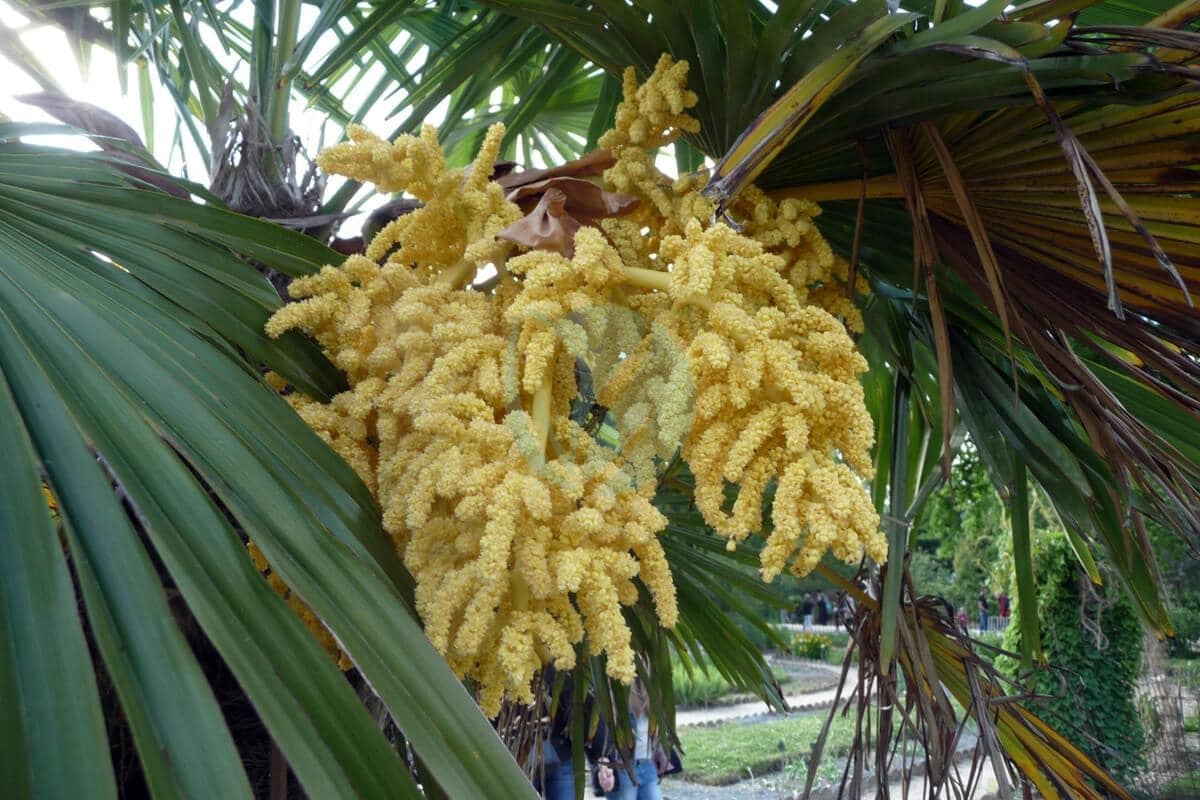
{"x":131,"y":346}
{"x":411,"y":58}
{"x":1018,"y":187}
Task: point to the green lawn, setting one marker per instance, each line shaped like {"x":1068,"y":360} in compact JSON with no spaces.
{"x":1187,"y":786}
{"x":733,"y":751}
{"x":724,"y":754}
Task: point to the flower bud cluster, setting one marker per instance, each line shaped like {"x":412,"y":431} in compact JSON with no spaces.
{"x":525,"y":530}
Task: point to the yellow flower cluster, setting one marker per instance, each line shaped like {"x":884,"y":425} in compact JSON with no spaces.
{"x":777,"y":401}
{"x":299,"y":607}
{"x":520,"y":538}
{"x":524,"y":530}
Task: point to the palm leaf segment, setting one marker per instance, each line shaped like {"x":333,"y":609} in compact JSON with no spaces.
{"x":130,"y":340}
{"x":471,"y":52}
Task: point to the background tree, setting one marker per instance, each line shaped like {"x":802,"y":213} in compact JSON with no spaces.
{"x":1091,"y":637}
{"x":1181,"y":580}
{"x":957,"y":541}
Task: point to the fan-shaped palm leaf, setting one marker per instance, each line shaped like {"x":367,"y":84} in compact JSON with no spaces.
{"x":130,"y":348}
{"x":347,"y":62}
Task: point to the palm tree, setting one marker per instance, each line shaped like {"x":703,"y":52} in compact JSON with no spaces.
{"x":1016,"y":186}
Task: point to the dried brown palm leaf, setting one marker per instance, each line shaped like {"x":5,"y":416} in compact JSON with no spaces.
{"x":938,"y":666}
{"x":1058,"y":311}
{"x":556,"y":207}
{"x":586,"y":166}
{"x":115,"y":138}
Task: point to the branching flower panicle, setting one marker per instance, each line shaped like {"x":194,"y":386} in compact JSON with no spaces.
{"x":525,"y":529}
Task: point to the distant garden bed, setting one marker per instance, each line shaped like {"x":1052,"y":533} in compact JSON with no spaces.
{"x":706,"y":687}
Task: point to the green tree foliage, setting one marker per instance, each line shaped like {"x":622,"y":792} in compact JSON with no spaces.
{"x":1180,"y":571}
{"x":1091,"y":636}
{"x":957,"y":541}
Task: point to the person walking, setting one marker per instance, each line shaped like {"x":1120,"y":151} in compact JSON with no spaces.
{"x":1002,"y":608}
{"x":806,"y":611}
{"x":648,"y":760}
{"x":983,"y":610}
{"x":822,"y":610}
{"x":556,"y":778}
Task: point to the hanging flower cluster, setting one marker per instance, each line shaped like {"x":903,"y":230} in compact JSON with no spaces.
{"x":473,"y":330}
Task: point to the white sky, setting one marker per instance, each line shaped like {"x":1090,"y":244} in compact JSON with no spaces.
{"x":100,"y":86}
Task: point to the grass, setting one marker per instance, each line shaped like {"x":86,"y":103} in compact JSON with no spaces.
{"x":723,"y":754}
{"x":705,"y":686}
{"x":719,"y":755}
{"x":1185,"y":787}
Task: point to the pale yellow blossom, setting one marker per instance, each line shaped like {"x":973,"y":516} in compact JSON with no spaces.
{"x":524,"y":532}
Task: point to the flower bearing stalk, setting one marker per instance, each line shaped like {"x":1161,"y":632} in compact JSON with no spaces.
{"x":727,"y":349}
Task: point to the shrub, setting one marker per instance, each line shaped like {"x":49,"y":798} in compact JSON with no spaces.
{"x":702,"y":687}
{"x":706,"y":685}
{"x":1186,"y":620}
{"x":811,"y":645}
{"x":992,"y":639}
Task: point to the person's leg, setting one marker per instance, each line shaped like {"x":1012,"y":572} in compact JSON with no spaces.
{"x":647,"y":775}
{"x":560,"y":781}
{"x":625,"y":789}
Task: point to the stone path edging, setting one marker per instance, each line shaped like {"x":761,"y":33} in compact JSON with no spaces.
{"x":757,"y":711}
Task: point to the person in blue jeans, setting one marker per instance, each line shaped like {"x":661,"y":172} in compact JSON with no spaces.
{"x":556,"y":778}
{"x":647,"y":786}
{"x":649,"y":760}
{"x":558,"y":781}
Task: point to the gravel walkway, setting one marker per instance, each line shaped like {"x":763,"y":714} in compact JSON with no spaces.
{"x":781,"y":786}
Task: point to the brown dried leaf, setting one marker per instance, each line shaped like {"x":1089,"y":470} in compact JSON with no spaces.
{"x":593,"y":163}
{"x":585,"y":200}
{"x":556,"y":207}
{"x":98,"y":122}
{"x":85,"y":116}
{"x":547,"y":227}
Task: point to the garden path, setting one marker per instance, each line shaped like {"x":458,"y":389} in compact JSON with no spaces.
{"x":807,"y":701}
{"x":780,"y":787}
